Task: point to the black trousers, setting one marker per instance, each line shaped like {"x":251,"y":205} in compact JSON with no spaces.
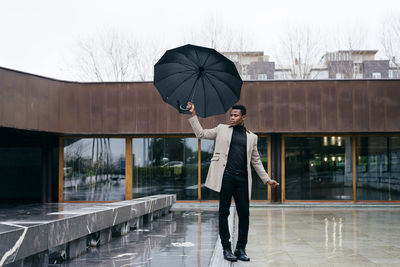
{"x":236,"y":186}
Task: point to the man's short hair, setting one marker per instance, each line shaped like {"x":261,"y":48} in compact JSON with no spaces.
{"x":241,"y":107}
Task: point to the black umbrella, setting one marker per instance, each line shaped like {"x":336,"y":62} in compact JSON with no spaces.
{"x":199,"y":75}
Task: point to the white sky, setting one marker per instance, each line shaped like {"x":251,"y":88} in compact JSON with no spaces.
{"x":37,"y":36}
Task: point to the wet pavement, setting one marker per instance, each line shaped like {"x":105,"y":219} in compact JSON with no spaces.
{"x":279,"y":235}
{"x":316,"y":236}
{"x":324,"y":237}
{"x":184,"y":237}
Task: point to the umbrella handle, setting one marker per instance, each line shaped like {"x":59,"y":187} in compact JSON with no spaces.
{"x":183,"y":108}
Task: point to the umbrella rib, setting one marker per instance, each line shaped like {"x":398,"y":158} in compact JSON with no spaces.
{"x":215,"y":89}
{"x":197,"y":55}
{"x":173,"y":91}
{"x":219,"y":61}
{"x":186,"y":58}
{"x":209,"y":53}
{"x":180,"y":63}
{"x":224,"y":83}
{"x":172,"y":74}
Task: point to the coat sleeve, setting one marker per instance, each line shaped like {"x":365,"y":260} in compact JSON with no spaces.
{"x":200,"y":132}
{"x":257,"y":164}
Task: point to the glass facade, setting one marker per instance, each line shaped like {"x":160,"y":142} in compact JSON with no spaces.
{"x":94,"y":169}
{"x":378,"y":168}
{"x":318,"y":168}
{"x":315,"y":168}
{"x":259,"y":190}
{"x":165,"y":166}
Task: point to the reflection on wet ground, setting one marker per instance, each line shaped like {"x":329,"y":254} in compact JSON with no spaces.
{"x":279,"y":235}
{"x":185,"y":237}
{"x":324,"y":237}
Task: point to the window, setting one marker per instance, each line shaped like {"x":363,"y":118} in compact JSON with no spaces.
{"x":262,"y":76}
{"x":165,"y":166}
{"x":339,"y":75}
{"x":378,"y":168}
{"x":376,"y":75}
{"x":318,"y":168}
{"x":94,"y":169}
{"x":244,"y":69}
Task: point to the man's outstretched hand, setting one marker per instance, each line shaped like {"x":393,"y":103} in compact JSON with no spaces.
{"x":273,"y":183}
{"x":190,"y":107}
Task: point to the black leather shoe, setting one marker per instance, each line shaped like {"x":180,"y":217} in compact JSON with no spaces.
{"x":241,"y":254}
{"x":228,"y":255}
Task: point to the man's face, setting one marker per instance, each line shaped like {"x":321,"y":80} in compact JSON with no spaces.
{"x":236,"y":117}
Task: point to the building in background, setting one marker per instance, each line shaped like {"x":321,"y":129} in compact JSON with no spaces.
{"x":355,"y":64}
{"x":252,"y":65}
{"x":342,"y":64}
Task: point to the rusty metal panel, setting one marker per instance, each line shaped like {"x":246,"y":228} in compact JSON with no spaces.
{"x":313,"y":107}
{"x":376,"y":106}
{"x":32,"y":102}
{"x":127,"y":116}
{"x":329,"y":117}
{"x":68,"y":109}
{"x":361,"y":107}
{"x":54,"y":108}
{"x":83,"y":110}
{"x":41,"y":104}
{"x":265,"y":104}
{"x":281,"y":107}
{"x":297,"y":103}
{"x":392,"y":114}
{"x":345,"y":106}
{"x":14,"y":104}
{"x":250,"y":95}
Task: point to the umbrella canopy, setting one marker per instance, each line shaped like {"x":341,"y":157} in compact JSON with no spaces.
{"x":199,"y":75}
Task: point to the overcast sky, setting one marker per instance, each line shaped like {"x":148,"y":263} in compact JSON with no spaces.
{"x":39,"y":36}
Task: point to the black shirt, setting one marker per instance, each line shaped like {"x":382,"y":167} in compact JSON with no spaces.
{"x":237,"y":158}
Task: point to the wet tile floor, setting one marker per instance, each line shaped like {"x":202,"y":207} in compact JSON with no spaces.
{"x":182,"y":238}
{"x":325,"y":236}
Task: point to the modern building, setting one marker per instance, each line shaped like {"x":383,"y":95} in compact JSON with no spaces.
{"x":342,"y":64}
{"x":355,"y":64}
{"x":252,"y":65}
{"x":323,"y":140}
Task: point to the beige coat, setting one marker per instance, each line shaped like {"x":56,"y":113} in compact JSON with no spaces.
{"x":222,"y":134}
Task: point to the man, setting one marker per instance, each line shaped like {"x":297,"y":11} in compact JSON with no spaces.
{"x":230,"y":173}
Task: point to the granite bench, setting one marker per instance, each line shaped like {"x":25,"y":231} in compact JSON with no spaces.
{"x":33,"y":235}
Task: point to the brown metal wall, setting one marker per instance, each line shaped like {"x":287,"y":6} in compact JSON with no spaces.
{"x":32,"y":102}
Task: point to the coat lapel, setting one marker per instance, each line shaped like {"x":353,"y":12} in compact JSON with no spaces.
{"x":230,"y":132}
{"x":248,"y":142}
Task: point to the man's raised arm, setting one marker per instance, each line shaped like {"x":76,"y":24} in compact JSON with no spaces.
{"x":198,"y":130}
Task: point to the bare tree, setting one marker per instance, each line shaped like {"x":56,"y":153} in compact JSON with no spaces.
{"x":109,"y":56}
{"x":344,"y":44}
{"x":300,"y":49}
{"x":390,"y":41}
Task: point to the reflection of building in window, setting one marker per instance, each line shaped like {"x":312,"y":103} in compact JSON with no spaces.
{"x":378,"y":172}
{"x":164,"y":166}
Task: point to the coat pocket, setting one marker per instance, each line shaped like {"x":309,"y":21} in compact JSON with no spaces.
{"x":215,"y":158}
